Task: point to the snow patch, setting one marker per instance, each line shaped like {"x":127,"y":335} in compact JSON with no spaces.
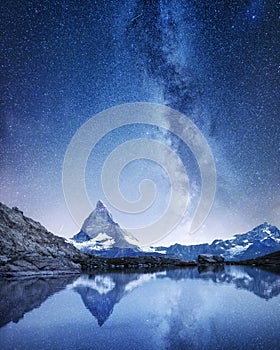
{"x":102,"y":237}
{"x":237,"y":249}
{"x":161,"y":251}
{"x":149,"y":249}
{"x":154,"y":250}
{"x":266,"y":230}
{"x":100,"y":242}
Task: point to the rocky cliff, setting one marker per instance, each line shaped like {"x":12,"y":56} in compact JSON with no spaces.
{"x":27,"y":248}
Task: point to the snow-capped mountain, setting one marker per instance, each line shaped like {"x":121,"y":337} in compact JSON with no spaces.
{"x":263,"y":239}
{"x":101,"y":235}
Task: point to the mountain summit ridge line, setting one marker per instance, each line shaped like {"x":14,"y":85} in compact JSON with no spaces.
{"x":101,"y":235}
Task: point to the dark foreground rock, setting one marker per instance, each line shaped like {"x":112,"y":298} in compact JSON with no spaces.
{"x":35,"y":264}
{"x":139,"y":263}
{"x":270,"y":260}
{"x":27,"y":248}
{"x":204,"y":259}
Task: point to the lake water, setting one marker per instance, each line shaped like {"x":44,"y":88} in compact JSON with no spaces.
{"x":230,"y":308}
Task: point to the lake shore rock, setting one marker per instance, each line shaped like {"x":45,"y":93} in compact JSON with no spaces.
{"x":27,"y":248}
{"x":204,"y":259}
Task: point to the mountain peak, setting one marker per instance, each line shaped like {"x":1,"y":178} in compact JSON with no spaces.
{"x":101,"y":230}
{"x":262,"y":226}
{"x":99,"y":215}
{"x":101,"y":211}
{"x":100,"y":206}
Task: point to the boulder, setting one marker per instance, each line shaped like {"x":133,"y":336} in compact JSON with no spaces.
{"x":205,"y":259}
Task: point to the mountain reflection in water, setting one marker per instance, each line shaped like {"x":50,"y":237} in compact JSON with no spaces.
{"x":101,"y":292}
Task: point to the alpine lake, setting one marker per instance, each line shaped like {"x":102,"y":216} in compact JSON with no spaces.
{"x":215,"y":307}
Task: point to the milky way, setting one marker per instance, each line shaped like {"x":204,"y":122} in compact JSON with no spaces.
{"x":215,"y":61}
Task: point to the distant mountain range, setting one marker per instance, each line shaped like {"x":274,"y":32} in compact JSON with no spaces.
{"x":263,"y":239}
{"x":100,"y":235}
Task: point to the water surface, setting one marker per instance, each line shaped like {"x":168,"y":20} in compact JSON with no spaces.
{"x":230,"y":308}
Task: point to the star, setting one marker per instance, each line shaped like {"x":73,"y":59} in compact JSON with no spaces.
{"x":216,"y":63}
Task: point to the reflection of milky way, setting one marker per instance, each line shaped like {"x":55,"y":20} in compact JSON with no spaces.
{"x":216,"y":62}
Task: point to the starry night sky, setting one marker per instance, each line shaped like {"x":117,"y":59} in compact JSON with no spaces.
{"x":216,"y":61}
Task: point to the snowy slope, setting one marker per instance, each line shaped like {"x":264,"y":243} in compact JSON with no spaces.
{"x":263,"y":239}
{"x":101,"y":235}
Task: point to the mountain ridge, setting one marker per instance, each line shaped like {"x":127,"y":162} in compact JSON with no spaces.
{"x":102,"y":236}
{"x":261,"y":240}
